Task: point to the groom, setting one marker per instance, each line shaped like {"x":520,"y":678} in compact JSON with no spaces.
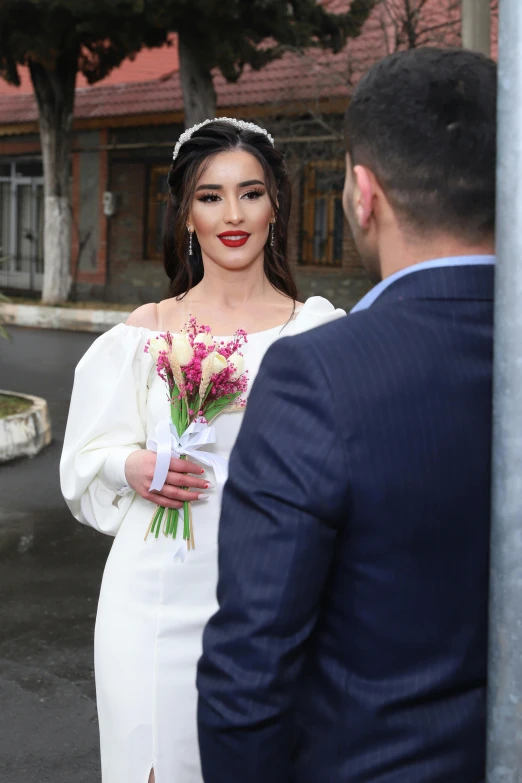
{"x":350,"y":643}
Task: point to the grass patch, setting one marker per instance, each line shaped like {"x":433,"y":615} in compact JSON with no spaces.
{"x":9,"y":405}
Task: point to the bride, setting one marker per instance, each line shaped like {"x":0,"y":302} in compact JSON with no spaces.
{"x":225,"y":252}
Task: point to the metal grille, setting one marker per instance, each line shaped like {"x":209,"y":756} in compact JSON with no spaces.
{"x":323,"y":220}
{"x":21,"y":229}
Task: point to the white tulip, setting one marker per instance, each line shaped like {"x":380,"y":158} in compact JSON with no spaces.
{"x":182,"y":349}
{"x":219,"y":363}
{"x":205,"y":338}
{"x":157,"y":344}
{"x":239,"y":363}
{"x":213,"y":364}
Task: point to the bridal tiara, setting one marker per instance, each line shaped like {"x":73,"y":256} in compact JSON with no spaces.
{"x":237,"y":123}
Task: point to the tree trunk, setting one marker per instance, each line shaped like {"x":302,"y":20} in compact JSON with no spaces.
{"x":54,"y":90}
{"x":410,"y":24}
{"x":199,"y":96}
{"x":476,"y":25}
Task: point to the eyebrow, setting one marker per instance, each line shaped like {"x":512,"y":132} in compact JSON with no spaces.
{"x":240,"y":185}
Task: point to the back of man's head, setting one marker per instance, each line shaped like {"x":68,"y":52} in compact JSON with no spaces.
{"x":424,"y":122}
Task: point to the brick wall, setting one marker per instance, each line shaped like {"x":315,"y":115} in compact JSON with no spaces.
{"x":341,"y":289}
{"x":343,"y":286}
{"x":127,"y":226}
{"x":294,"y":228}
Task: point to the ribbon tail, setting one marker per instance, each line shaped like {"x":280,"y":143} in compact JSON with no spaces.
{"x":218,"y":464}
{"x":163,"y":455}
{"x":181,"y":552}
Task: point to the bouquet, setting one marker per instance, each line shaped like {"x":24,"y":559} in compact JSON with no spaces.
{"x":203,"y":379}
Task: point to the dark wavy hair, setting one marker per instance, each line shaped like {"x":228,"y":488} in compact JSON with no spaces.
{"x":186,"y":271}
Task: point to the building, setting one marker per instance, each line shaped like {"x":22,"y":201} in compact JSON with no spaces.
{"x":124,"y":131}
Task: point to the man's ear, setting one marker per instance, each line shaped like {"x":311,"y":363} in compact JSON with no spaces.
{"x":364,"y":195}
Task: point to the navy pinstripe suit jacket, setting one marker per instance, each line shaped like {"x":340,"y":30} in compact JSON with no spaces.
{"x":350,"y":643}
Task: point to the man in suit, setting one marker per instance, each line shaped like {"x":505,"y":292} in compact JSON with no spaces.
{"x":350,"y":643}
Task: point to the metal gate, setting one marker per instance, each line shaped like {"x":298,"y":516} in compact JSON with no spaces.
{"x":21,"y":230}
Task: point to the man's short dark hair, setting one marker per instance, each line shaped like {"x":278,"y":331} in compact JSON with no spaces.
{"x":424,"y":122}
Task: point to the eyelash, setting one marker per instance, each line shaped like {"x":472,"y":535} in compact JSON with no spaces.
{"x":212,"y":198}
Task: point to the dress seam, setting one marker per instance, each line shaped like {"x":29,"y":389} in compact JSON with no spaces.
{"x":155,"y":669}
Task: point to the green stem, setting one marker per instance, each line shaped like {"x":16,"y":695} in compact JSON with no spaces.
{"x":175,"y":519}
{"x":186,"y":520}
{"x":152,"y":524}
{"x":156,"y":520}
{"x":158,"y":523}
{"x":186,"y":523}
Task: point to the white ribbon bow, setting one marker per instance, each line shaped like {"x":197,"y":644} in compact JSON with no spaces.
{"x":167,"y":444}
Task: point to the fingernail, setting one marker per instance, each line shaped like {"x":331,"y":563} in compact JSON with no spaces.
{"x":202,"y":471}
{"x":203,"y":497}
{"x":208,"y":485}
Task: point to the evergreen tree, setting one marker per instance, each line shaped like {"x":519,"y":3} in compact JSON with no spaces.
{"x":229,"y":35}
{"x":58,"y":38}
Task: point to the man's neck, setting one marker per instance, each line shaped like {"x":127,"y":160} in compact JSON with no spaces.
{"x":403,"y":254}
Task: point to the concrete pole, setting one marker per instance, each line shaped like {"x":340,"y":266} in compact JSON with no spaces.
{"x":476,"y":25}
{"x":504,"y":737}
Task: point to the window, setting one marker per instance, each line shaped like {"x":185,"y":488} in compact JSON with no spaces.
{"x":29,"y":168}
{"x":323,"y":218}
{"x":157,"y":209}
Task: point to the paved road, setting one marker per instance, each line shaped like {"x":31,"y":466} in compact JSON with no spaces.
{"x":50,"y":571}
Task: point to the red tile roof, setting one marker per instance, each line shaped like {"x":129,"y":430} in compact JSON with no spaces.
{"x":305,"y":77}
{"x":147,"y":65}
{"x":150,"y":83}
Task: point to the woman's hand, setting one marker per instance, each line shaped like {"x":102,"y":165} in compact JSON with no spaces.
{"x":139,"y":470}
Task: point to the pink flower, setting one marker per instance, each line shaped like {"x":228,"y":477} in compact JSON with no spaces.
{"x":228,"y":382}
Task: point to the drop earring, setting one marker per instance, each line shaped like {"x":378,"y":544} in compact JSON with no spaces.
{"x":272,"y":235}
{"x":190,"y":241}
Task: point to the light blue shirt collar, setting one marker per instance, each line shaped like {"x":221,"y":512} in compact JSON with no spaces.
{"x":436,"y":263}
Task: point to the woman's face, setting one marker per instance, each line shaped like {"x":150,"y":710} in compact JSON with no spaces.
{"x":231,"y":210}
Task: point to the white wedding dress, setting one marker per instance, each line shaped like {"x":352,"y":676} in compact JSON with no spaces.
{"x":152,"y":608}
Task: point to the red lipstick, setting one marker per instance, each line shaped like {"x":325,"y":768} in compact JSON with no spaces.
{"x":234,"y":238}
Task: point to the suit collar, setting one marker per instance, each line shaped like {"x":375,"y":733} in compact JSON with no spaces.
{"x":472,"y":282}
{"x":400,"y":285}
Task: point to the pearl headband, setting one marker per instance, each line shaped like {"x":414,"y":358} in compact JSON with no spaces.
{"x":237,"y":123}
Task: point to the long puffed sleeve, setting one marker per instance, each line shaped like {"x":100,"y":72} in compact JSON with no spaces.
{"x":107,"y":422}
{"x":315,"y":312}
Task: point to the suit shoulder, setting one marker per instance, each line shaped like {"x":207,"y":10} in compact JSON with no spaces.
{"x":338,"y":333}
{"x":350,"y":348}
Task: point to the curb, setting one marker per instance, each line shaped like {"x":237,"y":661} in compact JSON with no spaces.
{"x":25,"y":434}
{"x":40,"y":317}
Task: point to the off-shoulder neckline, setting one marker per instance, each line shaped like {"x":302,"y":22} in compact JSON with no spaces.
{"x":279,"y":327}
{"x":216,"y":336}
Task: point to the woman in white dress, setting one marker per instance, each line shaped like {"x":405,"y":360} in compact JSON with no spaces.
{"x":225,"y":254}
